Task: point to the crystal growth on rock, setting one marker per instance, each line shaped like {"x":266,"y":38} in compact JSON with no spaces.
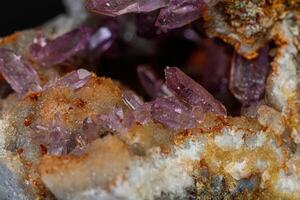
{"x":112,"y":121}
{"x":75,"y":79}
{"x":172,"y":113}
{"x":192,"y":93}
{"x":19,"y":74}
{"x":62,"y":48}
{"x":248,"y":77}
{"x":117,"y":7}
{"x":53,"y":136}
{"x":131,"y":99}
{"x":179,"y":13}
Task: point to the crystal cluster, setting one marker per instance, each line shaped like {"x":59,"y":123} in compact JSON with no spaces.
{"x":20,"y":75}
{"x":153,"y":131}
{"x":172,"y":14}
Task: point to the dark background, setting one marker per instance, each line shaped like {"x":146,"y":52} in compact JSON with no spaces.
{"x":21,"y":14}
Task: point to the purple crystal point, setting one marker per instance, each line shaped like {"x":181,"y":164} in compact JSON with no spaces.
{"x":248,"y":77}
{"x":153,"y":85}
{"x":86,"y":135}
{"x":20,"y":75}
{"x":102,"y":39}
{"x":75,"y":79}
{"x":62,"y":48}
{"x":53,"y":137}
{"x":172,"y":113}
{"x":112,"y":121}
{"x":131,"y":99}
{"x":39,"y":42}
{"x":117,"y":7}
{"x":191,"y":92}
{"x":179,"y":13}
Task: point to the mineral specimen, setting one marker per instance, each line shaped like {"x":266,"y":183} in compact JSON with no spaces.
{"x":75,"y":79}
{"x":20,"y":75}
{"x":247,"y":80}
{"x":191,"y":92}
{"x":116,"y":7}
{"x":62,"y":48}
{"x":74,"y":135}
{"x":152,"y":84}
{"x":179,"y":13}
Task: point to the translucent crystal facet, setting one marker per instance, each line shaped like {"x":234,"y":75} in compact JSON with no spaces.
{"x":172,"y":113}
{"x":248,"y":77}
{"x":179,"y":13}
{"x":19,"y":74}
{"x":131,"y":99}
{"x":75,"y":79}
{"x":150,"y":81}
{"x":62,"y":48}
{"x":191,"y":92}
{"x":53,"y":136}
{"x":117,"y":7}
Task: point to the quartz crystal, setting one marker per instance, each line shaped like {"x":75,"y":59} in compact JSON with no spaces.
{"x":117,"y":7}
{"x":172,"y":113}
{"x":112,"y":121}
{"x":62,"y":48}
{"x":102,"y":39}
{"x":150,"y":81}
{"x":20,"y":75}
{"x":179,"y":13}
{"x":131,"y":99}
{"x":248,"y":77}
{"x":53,"y":136}
{"x":74,"y":80}
{"x":173,"y":13}
{"x":87,"y":137}
{"x":191,"y":92}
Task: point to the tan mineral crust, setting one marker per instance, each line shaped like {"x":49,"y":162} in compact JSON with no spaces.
{"x":221,"y":158}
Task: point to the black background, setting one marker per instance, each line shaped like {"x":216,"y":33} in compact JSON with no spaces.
{"x":21,"y":14}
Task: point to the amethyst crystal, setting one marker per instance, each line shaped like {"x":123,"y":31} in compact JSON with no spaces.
{"x":112,"y":121}
{"x":191,"y":92}
{"x":150,"y":81}
{"x":20,"y":75}
{"x":247,"y":77}
{"x":179,"y":13}
{"x":62,"y":48}
{"x":141,"y":115}
{"x":172,"y":113}
{"x":102,"y":39}
{"x":131,"y":99}
{"x":117,"y":7}
{"x":54,"y":137}
{"x":74,"y":80}
{"x":86,"y":135}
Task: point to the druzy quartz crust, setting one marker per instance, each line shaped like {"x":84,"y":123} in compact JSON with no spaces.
{"x":153,"y":99}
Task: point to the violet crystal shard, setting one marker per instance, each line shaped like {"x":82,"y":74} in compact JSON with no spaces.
{"x":248,"y":77}
{"x":102,"y":39}
{"x":192,"y":93}
{"x":20,"y":75}
{"x":117,"y":7}
{"x":179,"y":13}
{"x":172,"y":113}
{"x":75,"y":79}
{"x":62,"y":48}
{"x":131,"y":99}
{"x":53,"y":136}
{"x":150,"y":81}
